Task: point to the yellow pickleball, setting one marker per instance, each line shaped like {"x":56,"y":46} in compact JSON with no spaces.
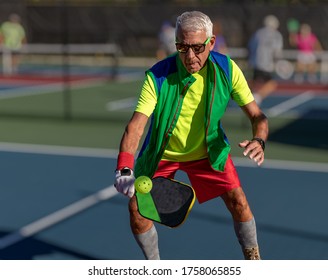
{"x":143,"y":184}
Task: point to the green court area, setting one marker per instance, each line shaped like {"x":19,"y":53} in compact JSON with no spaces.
{"x":94,"y":114}
{"x":42,"y":118}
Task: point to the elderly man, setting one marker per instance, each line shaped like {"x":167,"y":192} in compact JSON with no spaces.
{"x":186,"y":95}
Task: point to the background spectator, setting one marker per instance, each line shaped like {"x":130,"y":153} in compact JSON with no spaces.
{"x":307,"y":44}
{"x":12,"y":38}
{"x":264,"y":46}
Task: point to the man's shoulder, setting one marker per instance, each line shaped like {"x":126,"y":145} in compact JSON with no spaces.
{"x":222,"y":60}
{"x":164,"y":67}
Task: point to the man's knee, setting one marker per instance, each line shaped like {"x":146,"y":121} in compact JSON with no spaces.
{"x":237,"y":204}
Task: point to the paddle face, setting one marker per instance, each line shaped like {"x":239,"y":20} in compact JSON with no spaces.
{"x":169,"y":202}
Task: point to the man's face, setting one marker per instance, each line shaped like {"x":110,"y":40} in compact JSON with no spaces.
{"x":192,"y":60}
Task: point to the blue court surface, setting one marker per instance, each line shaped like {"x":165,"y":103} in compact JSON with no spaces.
{"x":59,"y":203}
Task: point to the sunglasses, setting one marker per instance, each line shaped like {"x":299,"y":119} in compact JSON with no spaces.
{"x":196,"y":48}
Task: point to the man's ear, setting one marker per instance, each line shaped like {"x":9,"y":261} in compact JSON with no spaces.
{"x":212,"y":42}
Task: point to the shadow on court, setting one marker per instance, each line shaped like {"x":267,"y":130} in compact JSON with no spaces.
{"x":307,"y":131}
{"x":32,"y":249}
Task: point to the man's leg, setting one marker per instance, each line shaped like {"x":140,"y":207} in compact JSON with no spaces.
{"x":244,"y":223}
{"x":144,"y":232}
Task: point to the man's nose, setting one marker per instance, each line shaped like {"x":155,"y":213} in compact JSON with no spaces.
{"x":190,"y":53}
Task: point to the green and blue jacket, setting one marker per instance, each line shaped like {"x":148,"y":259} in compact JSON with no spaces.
{"x":172,"y":81}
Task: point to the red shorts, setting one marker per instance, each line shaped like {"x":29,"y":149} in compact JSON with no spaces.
{"x":207,"y":182}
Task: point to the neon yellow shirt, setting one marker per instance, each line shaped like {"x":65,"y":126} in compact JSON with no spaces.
{"x":187,"y":142}
{"x":13,"y":34}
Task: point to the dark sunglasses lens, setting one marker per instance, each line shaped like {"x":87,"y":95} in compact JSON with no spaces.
{"x":198,"y":48}
{"x":182,"y":48}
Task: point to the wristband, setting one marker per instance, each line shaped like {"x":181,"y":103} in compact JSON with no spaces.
{"x":125,"y":159}
{"x":261,"y":141}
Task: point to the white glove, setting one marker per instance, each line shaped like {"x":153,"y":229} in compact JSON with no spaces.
{"x":124,"y":181}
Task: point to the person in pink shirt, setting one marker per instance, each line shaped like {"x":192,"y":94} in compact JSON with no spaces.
{"x":307,"y":44}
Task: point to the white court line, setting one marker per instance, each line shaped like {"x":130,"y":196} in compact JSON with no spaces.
{"x":290,"y":103}
{"x":57,"y":150}
{"x":30,"y":90}
{"x":130,"y":77}
{"x":283,"y":165}
{"x":57,"y":217}
{"x":120,"y":104}
{"x":112,"y":153}
{"x":49,"y":88}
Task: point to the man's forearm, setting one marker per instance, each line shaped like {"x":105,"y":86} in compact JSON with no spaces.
{"x":260,"y":127}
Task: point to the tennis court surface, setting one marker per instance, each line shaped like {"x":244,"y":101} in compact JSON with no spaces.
{"x":58,"y":202}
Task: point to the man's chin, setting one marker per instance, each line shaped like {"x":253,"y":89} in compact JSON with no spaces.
{"x":192,"y":70}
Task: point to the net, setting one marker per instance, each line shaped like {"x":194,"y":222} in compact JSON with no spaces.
{"x":72,"y":59}
{"x":48,"y":78}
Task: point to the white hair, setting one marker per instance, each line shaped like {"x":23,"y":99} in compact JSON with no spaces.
{"x":194,"y":21}
{"x":271,"y":21}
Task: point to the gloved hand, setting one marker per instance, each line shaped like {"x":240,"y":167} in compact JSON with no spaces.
{"x":124,"y":181}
